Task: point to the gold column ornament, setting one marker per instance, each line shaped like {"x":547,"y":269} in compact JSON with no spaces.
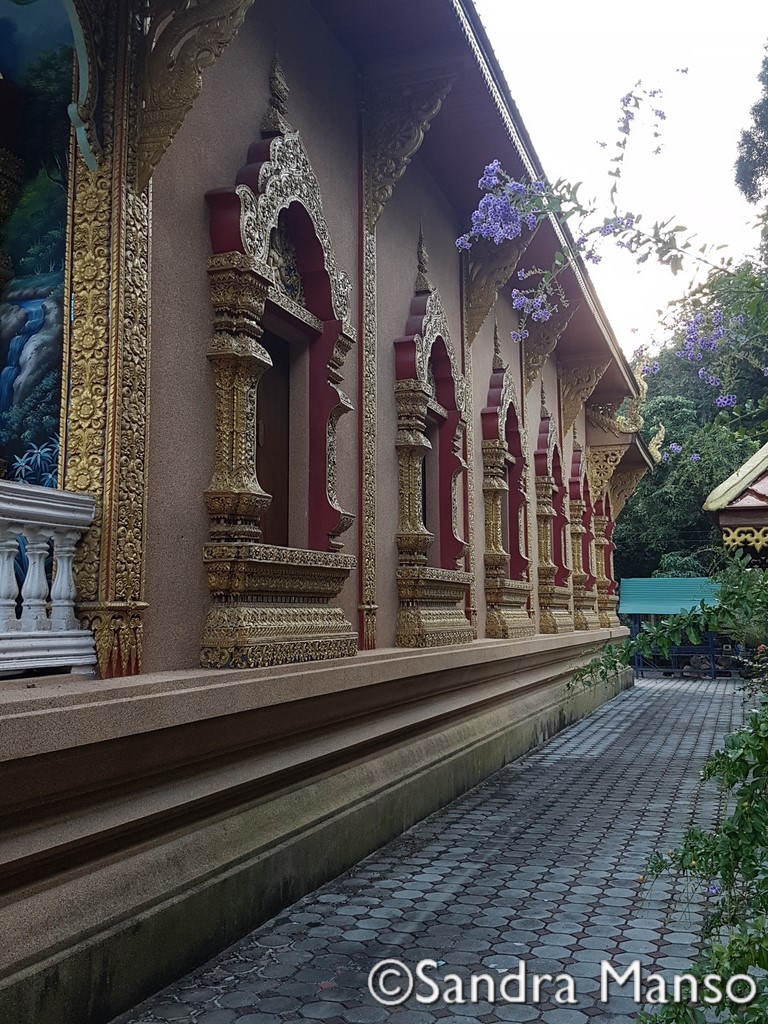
{"x":606,"y":602}
{"x":396,"y":113}
{"x":585,"y":611}
{"x":555,"y":599}
{"x":105,"y":398}
{"x":542,"y":338}
{"x":183,"y":37}
{"x":577,"y":382}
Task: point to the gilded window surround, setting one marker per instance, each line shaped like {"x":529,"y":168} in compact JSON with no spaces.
{"x":507,"y":600}
{"x":270,"y":604}
{"x":433,"y":600}
{"x":582,"y":545}
{"x":555,"y":593}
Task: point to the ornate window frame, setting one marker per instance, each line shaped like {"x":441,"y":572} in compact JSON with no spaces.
{"x":433,"y":599}
{"x":272,"y":604}
{"x":504,"y":446}
{"x":582,"y":543}
{"x":554,"y":592}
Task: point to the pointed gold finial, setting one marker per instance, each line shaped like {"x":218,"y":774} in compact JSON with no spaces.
{"x":498,"y":363}
{"x":423,"y":283}
{"x":275,"y":120}
{"x":544,"y":410}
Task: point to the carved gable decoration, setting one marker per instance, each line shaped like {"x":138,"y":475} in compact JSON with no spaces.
{"x":398,"y":113}
{"x":183,"y":37}
{"x":577,"y":382}
{"x":490,"y":268}
{"x":541,"y":341}
{"x":602,"y":460}
{"x":623,"y":485}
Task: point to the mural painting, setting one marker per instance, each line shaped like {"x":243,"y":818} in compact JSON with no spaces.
{"x":36,"y":77}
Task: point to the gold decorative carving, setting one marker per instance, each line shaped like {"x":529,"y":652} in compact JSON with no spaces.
{"x":754,"y":537}
{"x":507,"y":601}
{"x":602,"y":460}
{"x":577,"y":382}
{"x":607,"y":601}
{"x":654,"y":447}
{"x":105,"y":394}
{"x":540,"y":343}
{"x":183,"y":37}
{"x":632,"y":420}
{"x":622,"y":487}
{"x":282,"y":260}
{"x":286,"y":178}
{"x":431,"y":612}
{"x":604,"y":418}
{"x":490,"y":267}
{"x":87,"y":18}
{"x":398,"y":111}
{"x":271,"y":606}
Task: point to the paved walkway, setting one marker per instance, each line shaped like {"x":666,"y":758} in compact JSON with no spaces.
{"x":540,"y":862}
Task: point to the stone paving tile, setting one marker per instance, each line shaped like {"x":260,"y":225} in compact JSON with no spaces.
{"x":541,"y":861}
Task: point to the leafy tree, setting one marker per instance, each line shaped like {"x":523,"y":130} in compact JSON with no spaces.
{"x":752,"y":162}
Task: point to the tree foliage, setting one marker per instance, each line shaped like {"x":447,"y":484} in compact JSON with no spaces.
{"x":752,"y":161}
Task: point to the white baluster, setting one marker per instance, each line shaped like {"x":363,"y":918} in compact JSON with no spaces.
{"x":63,"y":591}
{"x":34,"y":593}
{"x":9,"y":588}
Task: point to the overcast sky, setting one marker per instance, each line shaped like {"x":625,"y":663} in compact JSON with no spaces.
{"x":567,"y":70}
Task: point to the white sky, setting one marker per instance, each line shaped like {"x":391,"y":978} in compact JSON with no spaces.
{"x":568,"y":65}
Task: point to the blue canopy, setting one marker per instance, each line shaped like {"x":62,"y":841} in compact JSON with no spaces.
{"x":665,"y":595}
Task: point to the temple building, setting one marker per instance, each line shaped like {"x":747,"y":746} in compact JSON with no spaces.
{"x":740,"y":506}
{"x":297,"y":543}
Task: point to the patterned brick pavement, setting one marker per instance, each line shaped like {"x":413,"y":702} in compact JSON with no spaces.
{"x":540,"y":862}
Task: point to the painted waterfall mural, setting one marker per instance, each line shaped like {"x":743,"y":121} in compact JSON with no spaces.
{"x":36,"y":61}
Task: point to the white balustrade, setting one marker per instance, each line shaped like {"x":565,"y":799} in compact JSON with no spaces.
{"x":47,"y":635}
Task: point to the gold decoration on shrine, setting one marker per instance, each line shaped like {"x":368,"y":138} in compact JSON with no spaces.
{"x":490,"y":268}
{"x":632,"y":420}
{"x":577,"y":382}
{"x":602,"y":460}
{"x":604,"y":418}
{"x":183,"y":37}
{"x":656,"y":442}
{"x":754,"y":537}
{"x":398,"y":111}
{"x":543,"y":336}
{"x":623,"y":485}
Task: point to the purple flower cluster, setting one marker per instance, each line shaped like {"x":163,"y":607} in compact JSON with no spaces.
{"x":536,"y":306}
{"x":695,"y":457}
{"x":505,"y":209}
{"x":710,"y":378}
{"x":653,"y":367}
{"x":616,"y":225}
{"x":724,"y":401}
{"x":675,"y":448}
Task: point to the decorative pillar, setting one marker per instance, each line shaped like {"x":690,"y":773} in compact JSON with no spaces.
{"x":606,"y":606}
